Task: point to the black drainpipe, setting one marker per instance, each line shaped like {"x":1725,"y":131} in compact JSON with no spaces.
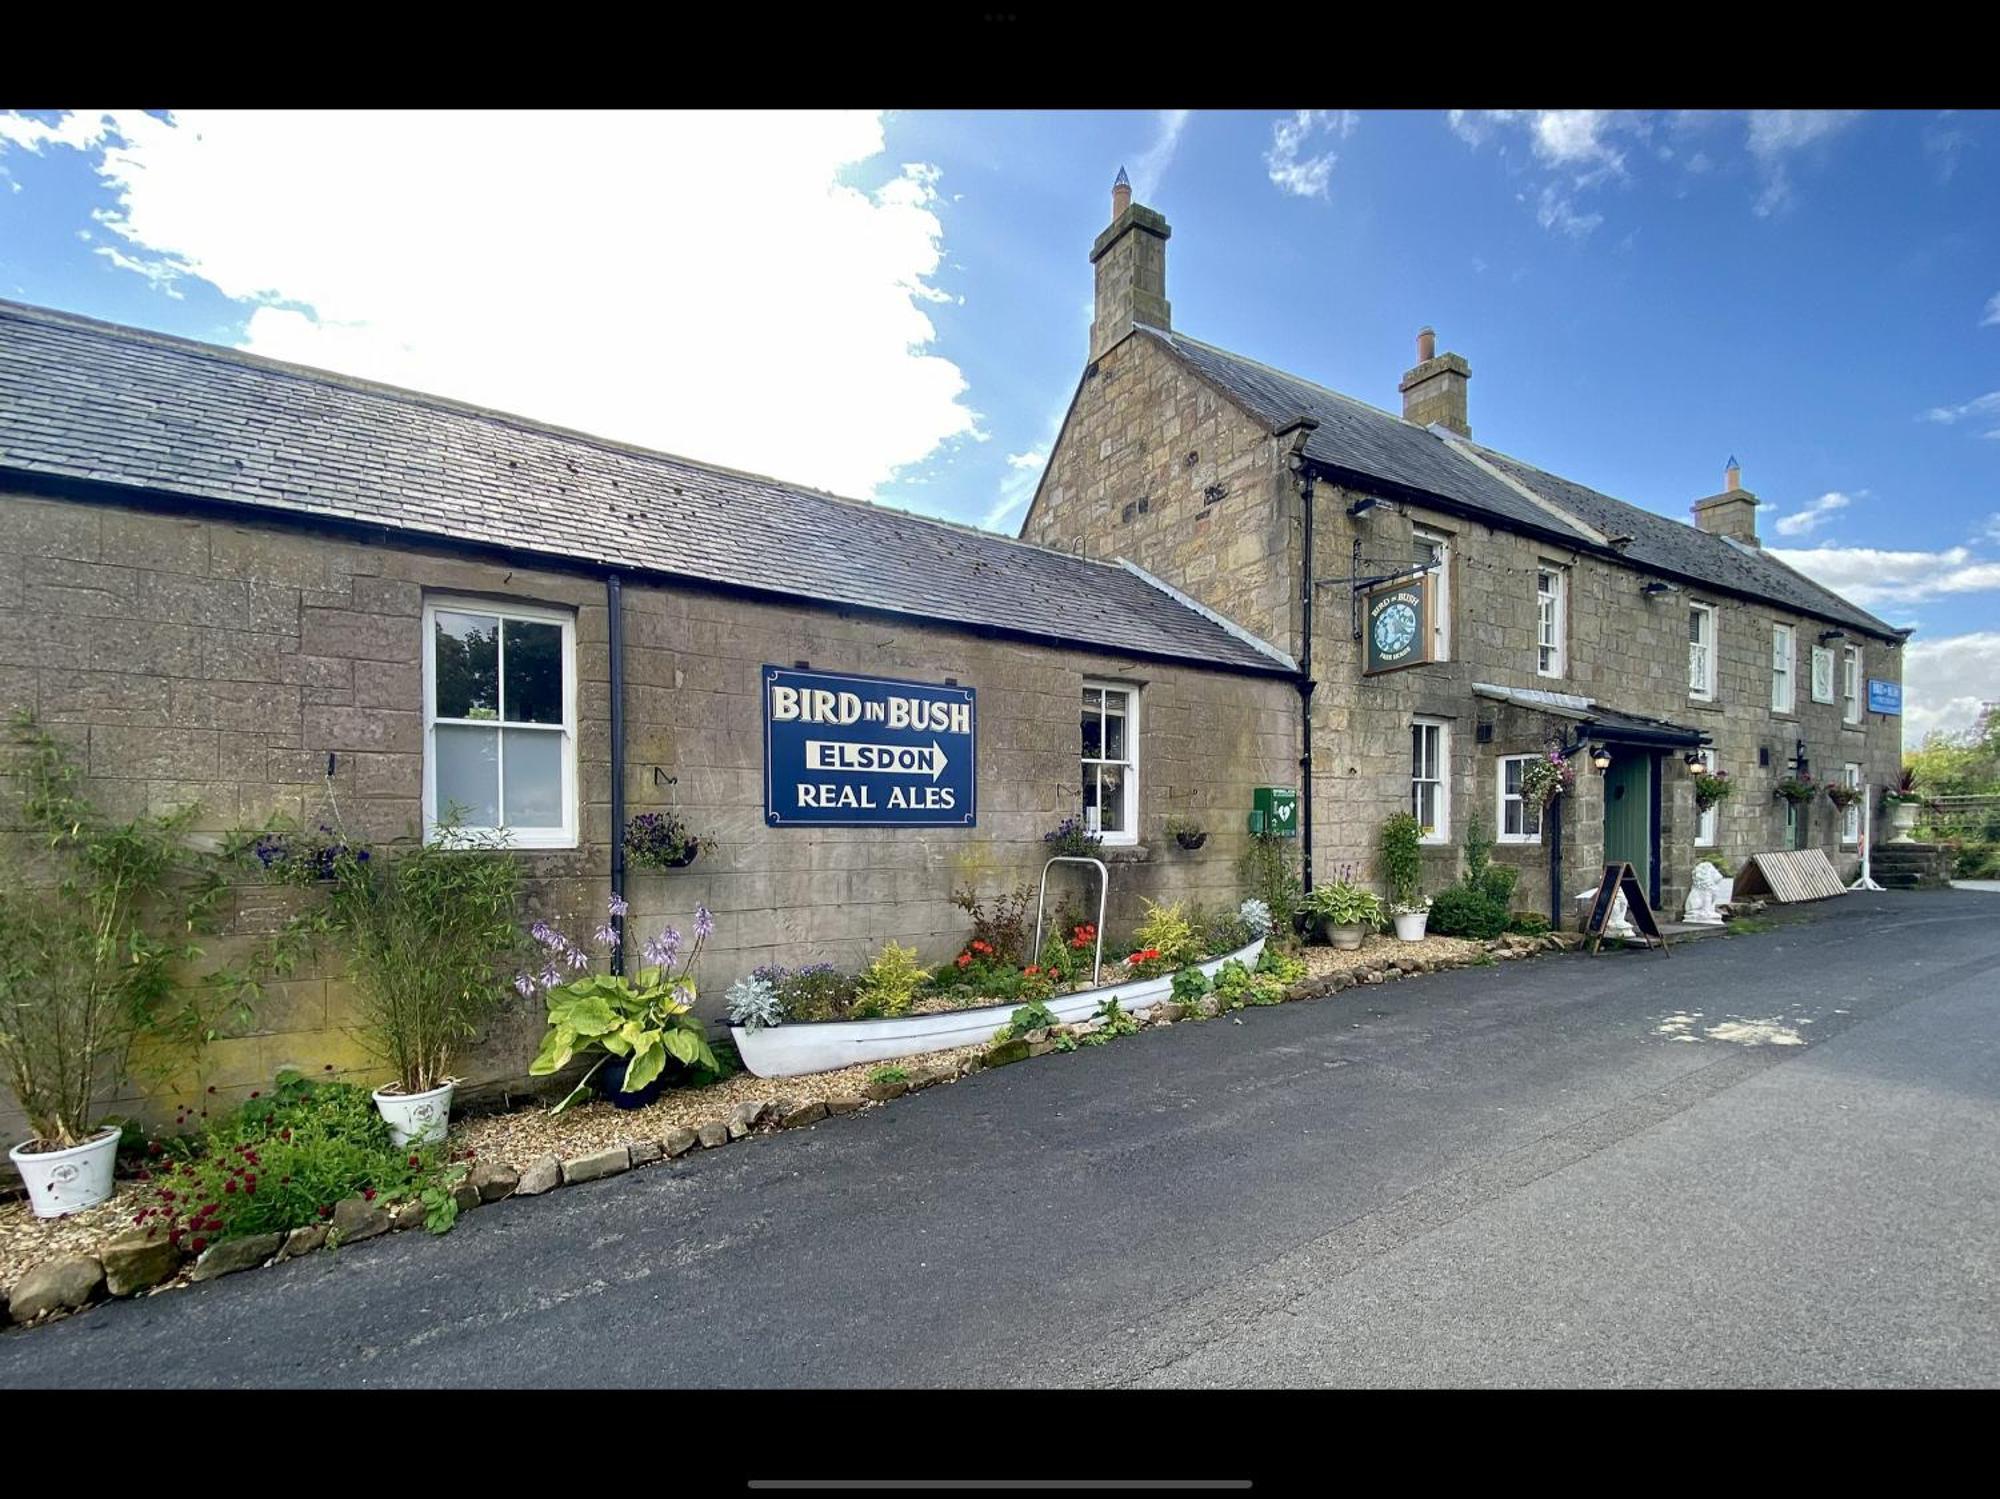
{"x":614,"y":602}
{"x":1552,"y":829}
{"x":1306,"y":688}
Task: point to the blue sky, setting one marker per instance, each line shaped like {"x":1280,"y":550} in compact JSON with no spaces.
{"x":896,"y":305}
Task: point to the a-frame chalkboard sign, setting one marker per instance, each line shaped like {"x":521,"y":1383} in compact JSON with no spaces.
{"x":1638,"y":911}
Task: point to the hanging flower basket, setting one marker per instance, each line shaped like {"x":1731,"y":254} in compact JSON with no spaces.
{"x":1546,"y":778}
{"x":1799,"y":790}
{"x":660,"y":840}
{"x":1843,"y":796}
{"x":1711,"y":789}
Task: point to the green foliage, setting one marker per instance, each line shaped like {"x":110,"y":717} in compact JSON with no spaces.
{"x":817,"y":992}
{"x":1498,"y":882}
{"x":94,"y":914}
{"x":889,"y":984}
{"x":1267,"y":989}
{"x":1401,"y":846}
{"x":1712,"y":788}
{"x":1234,"y":985}
{"x":888,"y":1075}
{"x":1225,"y":931}
{"x":1112,"y":1022}
{"x":1032,"y":1016}
{"x":1528,"y":923}
{"x":1168,"y":936}
{"x":1070,"y":839}
{"x":429,"y":935}
{"x":1462,"y":911}
{"x":1478,"y":847}
{"x":1270,"y":872}
{"x":1191,"y":986}
{"x":282,"y":1162}
{"x":1002,"y":923}
{"x":1283,"y":967}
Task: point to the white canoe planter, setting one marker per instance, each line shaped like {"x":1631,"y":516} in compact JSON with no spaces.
{"x":823,"y":1045}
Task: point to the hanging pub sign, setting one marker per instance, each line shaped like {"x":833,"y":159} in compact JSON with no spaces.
{"x":1884,"y":697}
{"x":848,"y":751}
{"x":1396,"y":626}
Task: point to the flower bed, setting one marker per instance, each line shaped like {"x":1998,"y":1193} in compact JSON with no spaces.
{"x":532,"y":1150}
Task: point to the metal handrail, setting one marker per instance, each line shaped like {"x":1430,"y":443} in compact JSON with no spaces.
{"x":1103,"y":888}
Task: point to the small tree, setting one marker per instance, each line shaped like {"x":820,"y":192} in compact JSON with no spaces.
{"x":430,"y":934}
{"x":1401,"y":846}
{"x":88,"y":940}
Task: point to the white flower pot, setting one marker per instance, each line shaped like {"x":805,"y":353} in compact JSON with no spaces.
{"x":1346,"y":938}
{"x":1902,"y":817}
{"x":68,"y":1181}
{"x":1410,"y":924}
{"x":416,"y":1118}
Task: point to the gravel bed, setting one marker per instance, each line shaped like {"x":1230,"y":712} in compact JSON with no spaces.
{"x":1375,"y":951}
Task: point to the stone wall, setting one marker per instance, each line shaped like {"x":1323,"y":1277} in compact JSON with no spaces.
{"x":1158,"y":467}
{"x":201,"y":660}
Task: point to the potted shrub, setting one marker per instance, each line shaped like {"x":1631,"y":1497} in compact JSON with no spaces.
{"x":1903,"y":801}
{"x":1071,"y":839}
{"x":640,"y":1021}
{"x":660,"y":840}
{"x":1188,"y":833}
{"x":93,"y":914}
{"x":1344,"y":912}
{"x":1400,"y":843}
{"x":428,"y":936}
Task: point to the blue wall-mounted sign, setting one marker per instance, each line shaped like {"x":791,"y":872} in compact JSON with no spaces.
{"x":1884,"y":697}
{"x":844,"y":751}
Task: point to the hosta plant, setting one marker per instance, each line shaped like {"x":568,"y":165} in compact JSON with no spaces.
{"x":647,"y":1018}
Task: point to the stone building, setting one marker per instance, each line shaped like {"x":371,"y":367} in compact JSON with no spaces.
{"x":1543,"y":612}
{"x":220,"y":575}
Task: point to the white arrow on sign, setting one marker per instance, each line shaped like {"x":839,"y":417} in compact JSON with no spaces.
{"x":894,"y":759}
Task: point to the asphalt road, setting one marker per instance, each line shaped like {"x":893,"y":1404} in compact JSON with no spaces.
{"x":1514,"y":1175}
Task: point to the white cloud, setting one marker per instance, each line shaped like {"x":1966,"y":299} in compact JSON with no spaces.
{"x":1946,"y":682}
{"x":1979,"y":410}
{"x":1871,"y":575}
{"x":1583,"y":149}
{"x":1774,"y":135}
{"x":1152,"y":163}
{"x":1811,"y":516}
{"x":1291,"y":170}
{"x":706,"y":284}
{"x":1991,"y":317}
{"x":1018,"y":487}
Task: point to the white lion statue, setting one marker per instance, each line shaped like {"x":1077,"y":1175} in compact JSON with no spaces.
{"x":1709,"y":891}
{"x":1616,"y":924}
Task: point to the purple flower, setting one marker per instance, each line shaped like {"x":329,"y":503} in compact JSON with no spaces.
{"x":619,"y":906}
{"x":663,"y":949}
{"x":606,"y":933}
{"x":545,"y":934}
{"x":577,"y":958}
{"x":704,"y":923}
{"x":551,"y":976}
{"x":524,"y":986}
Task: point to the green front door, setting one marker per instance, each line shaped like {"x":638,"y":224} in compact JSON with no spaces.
{"x":1628,"y":814}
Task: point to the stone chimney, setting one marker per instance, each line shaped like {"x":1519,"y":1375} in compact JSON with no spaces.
{"x":1435,"y":390}
{"x":1733,"y":513}
{"x":1131,"y":260}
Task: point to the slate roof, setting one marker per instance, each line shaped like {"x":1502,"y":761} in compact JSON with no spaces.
{"x":1370,"y":443}
{"x":91,"y":401}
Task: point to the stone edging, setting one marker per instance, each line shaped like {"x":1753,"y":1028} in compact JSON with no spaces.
{"x":141,"y":1261}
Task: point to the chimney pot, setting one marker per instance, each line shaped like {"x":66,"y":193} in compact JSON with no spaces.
{"x":1427,"y":345}
{"x":1732,"y":476}
{"x":1121,"y":195}
{"x":1733,"y":513}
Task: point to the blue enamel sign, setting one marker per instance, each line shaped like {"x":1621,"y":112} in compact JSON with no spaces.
{"x":852,"y":752}
{"x":1884,"y":697}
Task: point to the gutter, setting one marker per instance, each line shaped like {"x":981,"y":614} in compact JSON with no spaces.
{"x":1298,"y":433}
{"x":615,"y":602}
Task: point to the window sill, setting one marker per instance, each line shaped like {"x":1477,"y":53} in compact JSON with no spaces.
{"x":1124,"y":853}
{"x":1704,"y":705}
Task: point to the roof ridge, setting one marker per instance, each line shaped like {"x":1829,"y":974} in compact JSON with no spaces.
{"x":1327,"y":390}
{"x":29,"y":312}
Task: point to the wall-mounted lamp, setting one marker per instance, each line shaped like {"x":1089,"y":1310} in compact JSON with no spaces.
{"x":1600,"y":757}
{"x":1827,"y":637}
{"x":1362,"y":506}
{"x":1656,"y":588}
{"x":1697,"y":762}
